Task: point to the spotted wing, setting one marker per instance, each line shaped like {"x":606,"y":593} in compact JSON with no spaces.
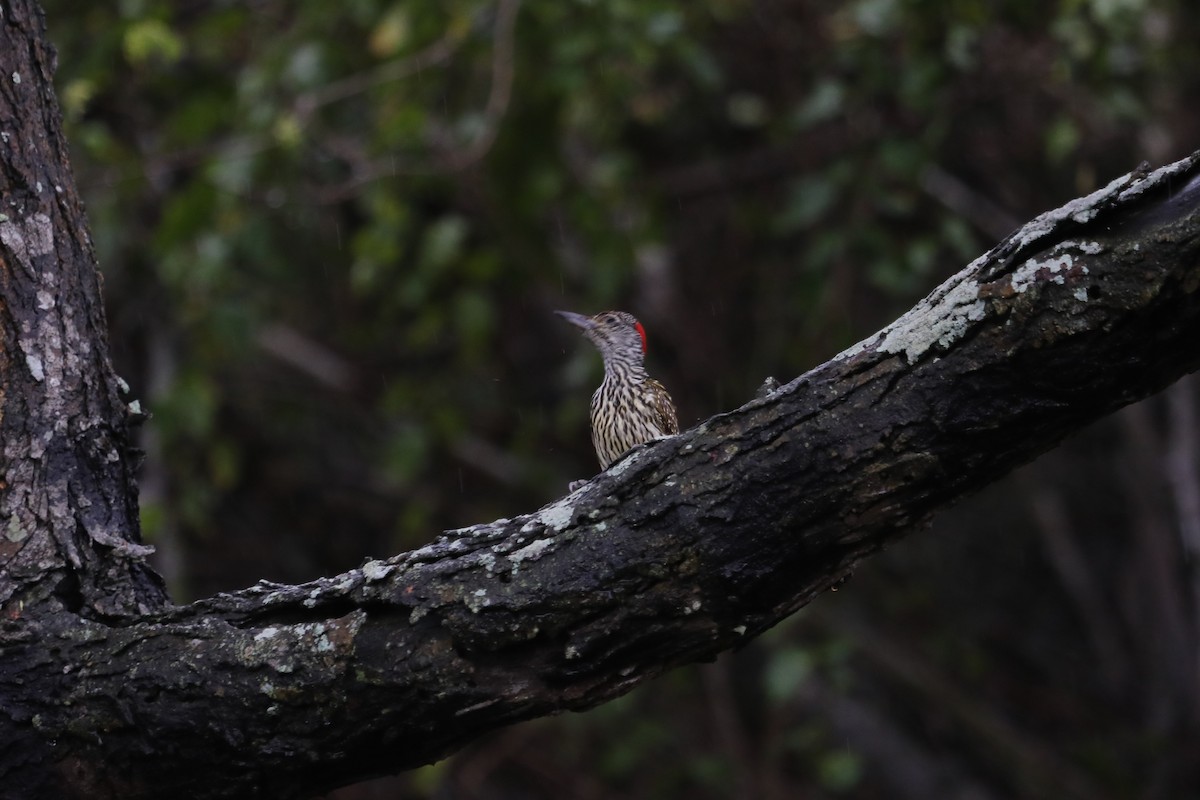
{"x":664,"y":409}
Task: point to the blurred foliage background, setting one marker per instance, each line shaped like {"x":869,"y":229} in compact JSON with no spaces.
{"x":333,"y":234}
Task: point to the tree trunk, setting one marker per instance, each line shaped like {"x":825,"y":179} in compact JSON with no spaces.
{"x":69,"y":504}
{"x":684,"y":548}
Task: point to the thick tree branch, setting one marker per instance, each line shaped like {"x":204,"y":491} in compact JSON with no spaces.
{"x":684,"y":548}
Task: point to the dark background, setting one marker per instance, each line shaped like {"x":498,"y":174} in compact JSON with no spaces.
{"x":333,"y":235}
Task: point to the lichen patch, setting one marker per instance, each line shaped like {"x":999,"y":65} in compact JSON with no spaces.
{"x":530,"y":552}
{"x":556,"y":515}
{"x":376,"y":570}
{"x":940,"y":319}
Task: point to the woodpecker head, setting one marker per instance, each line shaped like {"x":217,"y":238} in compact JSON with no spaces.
{"x":617,"y":335}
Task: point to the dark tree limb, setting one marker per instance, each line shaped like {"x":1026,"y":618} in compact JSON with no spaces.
{"x":684,"y":548}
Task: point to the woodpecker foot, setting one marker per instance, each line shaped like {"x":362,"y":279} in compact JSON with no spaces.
{"x":573,"y":485}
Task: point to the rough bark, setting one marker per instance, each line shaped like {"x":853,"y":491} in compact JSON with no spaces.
{"x":69,"y":504}
{"x":684,"y":548}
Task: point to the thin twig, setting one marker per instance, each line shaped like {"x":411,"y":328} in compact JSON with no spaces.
{"x":1183,"y":479}
{"x":451,"y":160}
{"x":436,"y":53}
{"x":1067,"y":558}
{"x":982,"y":212}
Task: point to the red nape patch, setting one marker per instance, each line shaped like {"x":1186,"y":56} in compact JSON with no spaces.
{"x":641,"y":332}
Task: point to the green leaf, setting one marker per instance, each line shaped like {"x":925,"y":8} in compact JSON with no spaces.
{"x":808,"y":201}
{"x":824,"y":102}
{"x":786,"y":671}
{"x":391,"y":33}
{"x":840,"y":770}
{"x":1062,"y":139}
{"x":442,"y":243}
{"x":151,"y":39}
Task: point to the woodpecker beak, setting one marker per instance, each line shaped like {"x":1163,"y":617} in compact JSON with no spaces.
{"x":578,"y":320}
